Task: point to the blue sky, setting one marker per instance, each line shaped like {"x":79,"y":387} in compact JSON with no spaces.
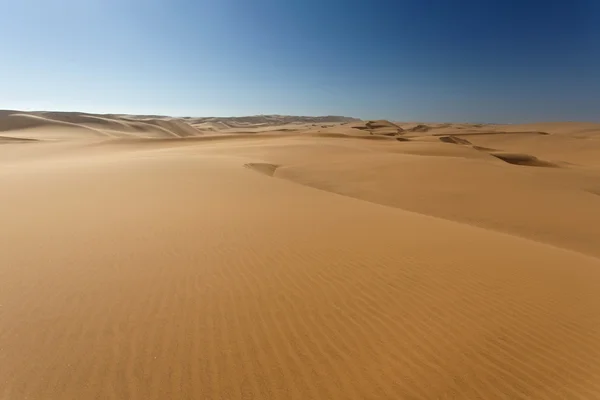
{"x":432,"y":60}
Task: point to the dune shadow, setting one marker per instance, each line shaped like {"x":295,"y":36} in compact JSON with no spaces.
{"x":263,"y":168}
{"x":523,"y":159}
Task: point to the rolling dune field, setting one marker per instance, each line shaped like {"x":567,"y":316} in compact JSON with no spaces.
{"x":276,"y":257}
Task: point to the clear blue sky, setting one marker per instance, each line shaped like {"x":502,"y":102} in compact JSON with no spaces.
{"x":451,"y":60}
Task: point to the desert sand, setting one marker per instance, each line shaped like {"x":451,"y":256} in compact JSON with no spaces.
{"x":271,"y":257}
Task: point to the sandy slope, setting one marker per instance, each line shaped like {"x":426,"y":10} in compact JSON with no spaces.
{"x":205,"y":268}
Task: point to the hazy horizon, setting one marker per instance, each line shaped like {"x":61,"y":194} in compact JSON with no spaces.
{"x":500,"y":62}
{"x":284,"y":115}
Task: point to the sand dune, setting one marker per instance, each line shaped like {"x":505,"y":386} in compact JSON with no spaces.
{"x":522,"y":159}
{"x":52,"y":126}
{"x":143,"y":257}
{"x":38,"y":125}
{"x":380,"y":127}
{"x":35,"y":123}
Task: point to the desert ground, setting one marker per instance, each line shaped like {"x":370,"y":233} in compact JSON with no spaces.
{"x":272,"y":257}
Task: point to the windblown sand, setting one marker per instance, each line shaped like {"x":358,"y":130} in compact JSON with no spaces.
{"x":280,"y":258}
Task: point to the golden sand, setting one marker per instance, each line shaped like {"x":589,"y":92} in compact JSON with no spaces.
{"x":160,"y":258}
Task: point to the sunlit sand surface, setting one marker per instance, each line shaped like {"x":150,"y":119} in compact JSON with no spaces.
{"x":145,"y":257}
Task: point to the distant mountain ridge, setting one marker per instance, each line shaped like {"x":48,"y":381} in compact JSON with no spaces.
{"x":274,"y":119}
{"x":252,"y":119}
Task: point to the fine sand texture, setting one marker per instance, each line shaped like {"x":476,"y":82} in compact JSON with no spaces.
{"x":273,"y":257}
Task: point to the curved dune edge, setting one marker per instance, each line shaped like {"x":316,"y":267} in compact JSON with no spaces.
{"x":462,"y":183}
{"x":263,"y":168}
{"x":44,"y":126}
{"x":270,"y":170}
{"x":10,"y":139}
{"x":523,"y":159}
{"x":510,"y":158}
{"x":20,"y":122}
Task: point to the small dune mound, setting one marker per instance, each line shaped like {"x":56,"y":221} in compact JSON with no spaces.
{"x":420,"y":128}
{"x":381,"y":124}
{"x":454,"y":140}
{"x":263,"y":168}
{"x":523,"y":159}
{"x":482,"y":148}
{"x":381,"y":127}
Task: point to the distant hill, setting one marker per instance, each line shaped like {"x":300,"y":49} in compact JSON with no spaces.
{"x":55,"y":125}
{"x":272,"y":120}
